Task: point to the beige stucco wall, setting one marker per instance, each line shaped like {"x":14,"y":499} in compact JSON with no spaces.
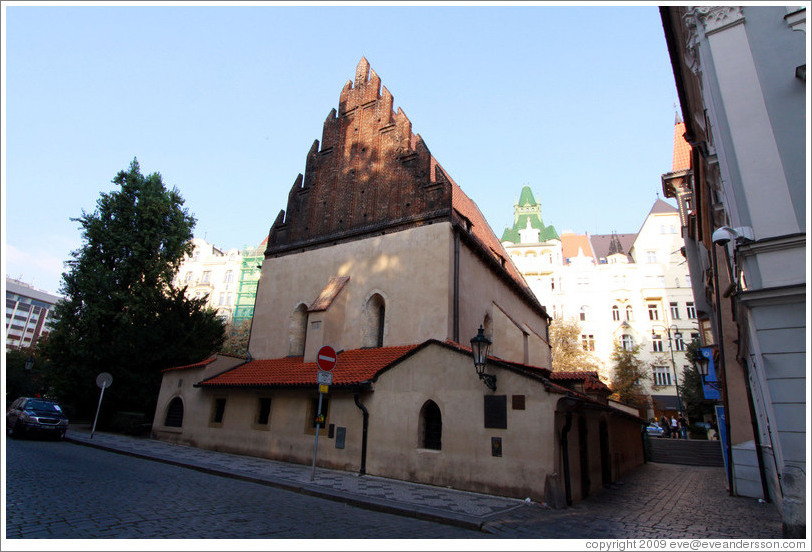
{"x":448,"y":378}
{"x":181,"y":383}
{"x":413,"y":270}
{"x":479,"y":290}
{"x":530,"y":443}
{"x":409,"y":269}
{"x":287,"y":436}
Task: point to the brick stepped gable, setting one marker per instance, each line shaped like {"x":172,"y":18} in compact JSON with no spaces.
{"x":693,"y":452}
{"x":371,"y":175}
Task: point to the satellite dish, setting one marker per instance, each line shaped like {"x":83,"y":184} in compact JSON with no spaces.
{"x":104,"y":380}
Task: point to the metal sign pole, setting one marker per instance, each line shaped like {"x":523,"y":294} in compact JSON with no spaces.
{"x":316,"y":443}
{"x":92,"y":431}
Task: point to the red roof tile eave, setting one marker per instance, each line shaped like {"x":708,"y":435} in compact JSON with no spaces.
{"x":200,"y":364}
{"x":354,"y":368}
{"x":299,"y":385}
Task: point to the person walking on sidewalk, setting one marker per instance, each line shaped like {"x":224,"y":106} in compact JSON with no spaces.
{"x":666,"y":426}
{"x":683,"y":426}
{"x":674,"y":428}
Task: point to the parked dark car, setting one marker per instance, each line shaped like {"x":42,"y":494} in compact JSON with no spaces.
{"x":34,"y":415}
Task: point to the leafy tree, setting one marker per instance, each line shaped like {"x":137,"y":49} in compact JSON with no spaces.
{"x":568,"y":353}
{"x":121,"y":315}
{"x":629,"y":373}
{"x":26,"y":381}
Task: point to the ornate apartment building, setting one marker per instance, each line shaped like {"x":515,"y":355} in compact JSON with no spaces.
{"x":214,"y":274}
{"x":630,"y":289}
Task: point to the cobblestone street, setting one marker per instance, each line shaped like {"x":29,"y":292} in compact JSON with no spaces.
{"x":59,"y":490}
{"x":655,"y":501}
{"x":102,"y":494}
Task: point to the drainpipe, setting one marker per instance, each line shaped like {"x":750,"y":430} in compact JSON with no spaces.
{"x":456,"y":314}
{"x":364,"y":434}
{"x":566,"y":453}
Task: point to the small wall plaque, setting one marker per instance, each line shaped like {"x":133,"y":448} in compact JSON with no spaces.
{"x":496,"y":446}
{"x":341,"y":434}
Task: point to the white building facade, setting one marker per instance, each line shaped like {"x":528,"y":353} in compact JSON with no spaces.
{"x":28,"y":314}
{"x":213,"y":274}
{"x":631,"y":289}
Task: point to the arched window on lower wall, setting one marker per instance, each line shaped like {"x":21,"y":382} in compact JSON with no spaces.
{"x":431,"y":426}
{"x":174,"y":413}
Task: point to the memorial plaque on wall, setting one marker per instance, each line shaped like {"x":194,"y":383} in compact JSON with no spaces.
{"x":341,"y":434}
{"x":496,"y":411}
{"x":496,"y":446}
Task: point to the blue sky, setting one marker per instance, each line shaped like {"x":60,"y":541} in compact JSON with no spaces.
{"x":225,"y":102}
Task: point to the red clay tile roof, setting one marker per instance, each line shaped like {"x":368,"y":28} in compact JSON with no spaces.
{"x":590,"y":380}
{"x":329,"y":293}
{"x":682,"y":151}
{"x":200,"y":364}
{"x":482,"y":231}
{"x":352,"y":367}
{"x":571,"y":243}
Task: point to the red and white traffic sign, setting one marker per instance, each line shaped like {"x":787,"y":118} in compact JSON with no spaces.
{"x":326,"y":358}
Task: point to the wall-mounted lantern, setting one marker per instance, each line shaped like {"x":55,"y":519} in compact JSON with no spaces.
{"x":481,"y":345}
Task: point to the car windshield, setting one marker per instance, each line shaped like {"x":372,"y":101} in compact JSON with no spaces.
{"x":42,"y":406}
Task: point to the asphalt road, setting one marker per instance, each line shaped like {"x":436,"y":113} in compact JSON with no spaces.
{"x":60,"y":490}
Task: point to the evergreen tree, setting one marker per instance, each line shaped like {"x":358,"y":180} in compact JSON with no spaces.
{"x":629,"y":373}
{"x":691,"y":390}
{"x":569,"y":354}
{"x":121,"y":314}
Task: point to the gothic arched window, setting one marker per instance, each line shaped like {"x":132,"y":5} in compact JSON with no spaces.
{"x":374,"y":318}
{"x":174,"y":413}
{"x":430,"y":426}
{"x":297,"y":331}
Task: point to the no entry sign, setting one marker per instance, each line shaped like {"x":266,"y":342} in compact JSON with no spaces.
{"x":326,"y":358}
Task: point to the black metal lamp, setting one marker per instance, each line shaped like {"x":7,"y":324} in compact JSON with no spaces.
{"x":480,"y":345}
{"x":702,"y":364}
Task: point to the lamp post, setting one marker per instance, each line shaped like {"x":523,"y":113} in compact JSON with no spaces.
{"x":480,"y":345}
{"x":677,"y":335}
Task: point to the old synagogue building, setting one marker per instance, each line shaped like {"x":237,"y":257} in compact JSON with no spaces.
{"x":381,"y":255}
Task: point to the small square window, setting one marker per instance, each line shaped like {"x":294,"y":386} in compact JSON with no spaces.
{"x":313,"y":411}
{"x":518,"y":402}
{"x":218,"y":411}
{"x":264,"y":411}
